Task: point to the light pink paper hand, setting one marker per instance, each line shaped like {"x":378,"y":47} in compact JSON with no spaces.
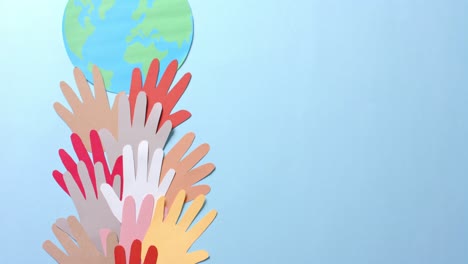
{"x":133,"y":227}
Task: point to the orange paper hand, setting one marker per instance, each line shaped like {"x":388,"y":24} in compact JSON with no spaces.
{"x":171,"y":237}
{"x":83,"y":251}
{"x":160,"y":93}
{"x":93,"y":112}
{"x":185,"y":175}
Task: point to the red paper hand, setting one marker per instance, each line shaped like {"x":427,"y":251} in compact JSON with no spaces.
{"x":159,"y":92}
{"x":135,"y":254}
{"x":83,"y":155}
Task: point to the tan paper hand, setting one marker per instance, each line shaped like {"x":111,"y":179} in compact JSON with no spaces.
{"x":185,"y":175}
{"x":171,"y":237}
{"x":94,"y":112}
{"x":83,"y":251}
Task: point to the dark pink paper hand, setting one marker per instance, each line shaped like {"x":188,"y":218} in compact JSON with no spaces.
{"x":83,"y":155}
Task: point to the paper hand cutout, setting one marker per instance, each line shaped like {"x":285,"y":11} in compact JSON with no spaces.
{"x":91,"y":113}
{"x":83,"y":251}
{"x":113,"y":178}
{"x":135,"y":254}
{"x":133,"y":131}
{"x":92,"y":208}
{"x":186,"y":175}
{"x":134,"y":226}
{"x":138,"y":185}
{"x":160,"y":93}
{"x":172,"y":238}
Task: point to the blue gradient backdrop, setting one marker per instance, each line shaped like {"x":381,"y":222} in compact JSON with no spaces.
{"x":339,"y":129}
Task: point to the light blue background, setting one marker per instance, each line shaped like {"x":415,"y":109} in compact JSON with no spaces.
{"x":339,"y":129}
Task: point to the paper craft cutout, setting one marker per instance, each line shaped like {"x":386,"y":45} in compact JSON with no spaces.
{"x":92,"y":208}
{"x":134,"y":226}
{"x":93,"y":112}
{"x":140,"y":182}
{"x":171,"y":237}
{"x":186,"y":176}
{"x":115,"y":190}
{"x":159,"y":92}
{"x":83,"y":251}
{"x":121,"y":35}
{"x":70,"y":165}
{"x":135,"y":254}
{"x":134,"y":130}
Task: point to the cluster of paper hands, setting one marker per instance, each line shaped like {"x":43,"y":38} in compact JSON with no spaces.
{"x":128,"y":193}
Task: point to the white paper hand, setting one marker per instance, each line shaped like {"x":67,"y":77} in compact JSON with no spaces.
{"x":140,"y":181}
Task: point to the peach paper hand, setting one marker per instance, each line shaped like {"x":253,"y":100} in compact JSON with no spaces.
{"x":93,"y":112}
{"x":83,"y":251}
{"x":185,"y":175}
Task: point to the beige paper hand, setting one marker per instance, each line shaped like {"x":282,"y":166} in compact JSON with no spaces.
{"x":84,"y":250}
{"x":185,"y":173}
{"x":133,"y":131}
{"x":93,"y":112}
{"x":171,"y":237}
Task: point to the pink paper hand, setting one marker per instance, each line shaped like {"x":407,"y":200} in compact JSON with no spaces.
{"x":133,"y":227}
{"x":112,"y":178}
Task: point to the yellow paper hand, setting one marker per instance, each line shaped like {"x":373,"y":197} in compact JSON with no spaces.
{"x":172,"y":238}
